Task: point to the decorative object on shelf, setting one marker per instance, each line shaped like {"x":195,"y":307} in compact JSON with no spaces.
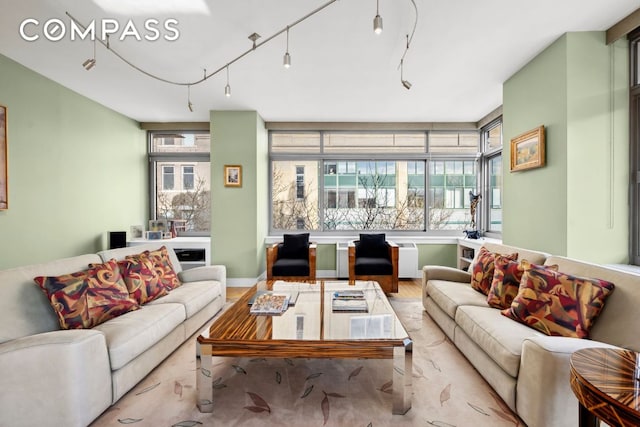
{"x":158,"y":225}
{"x":474,"y":199}
{"x":4,"y":199}
{"x":232,"y":176}
{"x":473,"y":233}
{"x":528,"y":150}
{"x":136,"y":232}
{"x":154,"y":235}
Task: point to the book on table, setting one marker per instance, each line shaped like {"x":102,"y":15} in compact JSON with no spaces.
{"x":348,"y":294}
{"x":349,"y":305}
{"x":270,"y":304}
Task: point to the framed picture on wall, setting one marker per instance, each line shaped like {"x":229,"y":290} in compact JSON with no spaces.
{"x":527,"y":150}
{"x":232,"y":176}
{"x":4,"y":189}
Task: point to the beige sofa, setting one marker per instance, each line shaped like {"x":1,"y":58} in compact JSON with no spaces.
{"x":528,"y":369}
{"x":53,"y":377}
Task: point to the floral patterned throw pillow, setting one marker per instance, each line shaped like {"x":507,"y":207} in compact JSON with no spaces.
{"x":558,"y":304}
{"x":506,"y":281}
{"x":142,"y":280}
{"x":483,"y":268}
{"x":88,"y":298}
{"x":162,"y":266}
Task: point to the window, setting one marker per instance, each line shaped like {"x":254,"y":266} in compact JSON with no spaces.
{"x":492,"y":176}
{"x":450,"y":182}
{"x":179,"y":180}
{"x":299,"y":182}
{"x":167,"y":177}
{"x":188,"y":178}
{"x":334,"y":181}
{"x":289,"y":210}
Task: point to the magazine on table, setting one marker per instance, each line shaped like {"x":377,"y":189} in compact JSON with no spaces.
{"x":293,"y":296}
{"x":270,"y":304}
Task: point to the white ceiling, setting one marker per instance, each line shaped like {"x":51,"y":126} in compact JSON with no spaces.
{"x":462,"y":52}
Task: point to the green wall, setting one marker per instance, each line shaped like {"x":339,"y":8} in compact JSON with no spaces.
{"x":437,"y":254}
{"x":76,"y":170}
{"x":577,"y":89}
{"x":326,"y":257}
{"x":239,"y":215}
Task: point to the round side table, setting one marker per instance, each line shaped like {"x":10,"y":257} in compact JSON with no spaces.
{"x":606,"y":383}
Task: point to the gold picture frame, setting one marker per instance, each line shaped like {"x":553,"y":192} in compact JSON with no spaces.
{"x":4,"y":174}
{"x":528,"y":150}
{"x":232,"y":176}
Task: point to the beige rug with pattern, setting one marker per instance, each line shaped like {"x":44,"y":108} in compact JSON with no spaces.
{"x":447,"y":391}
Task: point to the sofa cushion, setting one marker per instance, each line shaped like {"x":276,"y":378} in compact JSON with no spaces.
{"x":88,"y":298}
{"x":373,"y":266}
{"x":193,"y":296}
{"x":294,"y":246}
{"x":557,"y":303}
{"x":506,"y":281}
{"x":133,"y":333}
{"x":142,"y":280}
{"x":500,"y":337}
{"x":483,"y":268}
{"x":372,"y":246}
{"x":450,"y":295}
{"x":290,"y":267}
{"x":162,"y":265}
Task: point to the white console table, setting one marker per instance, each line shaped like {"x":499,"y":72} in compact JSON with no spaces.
{"x":192,"y":246}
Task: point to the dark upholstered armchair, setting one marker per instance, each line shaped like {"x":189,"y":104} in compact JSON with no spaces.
{"x":373,"y":258}
{"x":294,"y":259}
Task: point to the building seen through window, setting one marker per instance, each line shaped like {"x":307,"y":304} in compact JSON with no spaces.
{"x":180,"y":184}
{"x":413,"y":181}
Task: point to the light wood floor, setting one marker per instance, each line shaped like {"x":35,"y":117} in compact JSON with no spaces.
{"x":407,"y":288}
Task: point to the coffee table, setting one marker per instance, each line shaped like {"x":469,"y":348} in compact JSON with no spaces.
{"x":310,"y":329}
{"x":606,"y":383}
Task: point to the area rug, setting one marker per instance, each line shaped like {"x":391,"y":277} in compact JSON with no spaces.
{"x":447,"y":391}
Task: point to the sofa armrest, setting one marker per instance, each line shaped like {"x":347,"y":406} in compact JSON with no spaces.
{"x":544,"y":396}
{"x":207,"y":272}
{"x":55,"y":378}
{"x":439,"y":272}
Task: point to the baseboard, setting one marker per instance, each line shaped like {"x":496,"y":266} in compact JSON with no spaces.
{"x":326,"y":274}
{"x":241,"y":282}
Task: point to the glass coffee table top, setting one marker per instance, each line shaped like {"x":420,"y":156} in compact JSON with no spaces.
{"x":311,"y":317}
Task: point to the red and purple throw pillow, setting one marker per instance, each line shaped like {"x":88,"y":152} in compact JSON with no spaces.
{"x":506,"y":281}
{"x":558,"y":304}
{"x":483,"y":269}
{"x":142,"y":280}
{"x":162,"y":266}
{"x":88,"y":298}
